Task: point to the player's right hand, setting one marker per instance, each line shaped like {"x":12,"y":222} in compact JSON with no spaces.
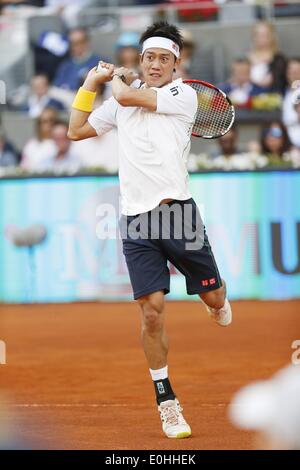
{"x":100,"y":74}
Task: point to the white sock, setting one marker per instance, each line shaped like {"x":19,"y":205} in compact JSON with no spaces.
{"x":159,"y":374}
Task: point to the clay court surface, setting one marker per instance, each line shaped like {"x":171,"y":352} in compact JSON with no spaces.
{"x":76,"y":377}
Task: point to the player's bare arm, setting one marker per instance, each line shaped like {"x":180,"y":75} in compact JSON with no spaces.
{"x":79,"y":127}
{"x":127,"y":96}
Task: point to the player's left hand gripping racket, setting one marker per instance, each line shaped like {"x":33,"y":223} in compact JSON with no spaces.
{"x":215,"y":114}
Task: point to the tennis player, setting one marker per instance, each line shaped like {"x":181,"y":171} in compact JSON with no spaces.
{"x":154,"y":119}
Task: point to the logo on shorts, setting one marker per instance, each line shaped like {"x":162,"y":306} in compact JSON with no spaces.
{"x":160,"y":387}
{"x":208,"y":282}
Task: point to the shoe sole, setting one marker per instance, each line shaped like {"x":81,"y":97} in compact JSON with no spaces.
{"x":226,"y":324}
{"x":181,"y":435}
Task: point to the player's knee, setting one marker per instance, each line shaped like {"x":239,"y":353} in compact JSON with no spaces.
{"x":152,"y":309}
{"x":215,"y":298}
{"x":152,"y":302}
{"x":152,"y":323}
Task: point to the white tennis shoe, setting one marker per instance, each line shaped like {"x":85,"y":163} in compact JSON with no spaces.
{"x":222,"y":316}
{"x":173,"y":423}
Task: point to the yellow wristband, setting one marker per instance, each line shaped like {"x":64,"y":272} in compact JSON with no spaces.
{"x":84,"y":100}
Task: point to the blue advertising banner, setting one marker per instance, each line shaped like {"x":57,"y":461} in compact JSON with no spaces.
{"x":252,"y":220}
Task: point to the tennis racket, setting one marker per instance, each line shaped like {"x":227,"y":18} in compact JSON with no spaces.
{"x":215,"y":114}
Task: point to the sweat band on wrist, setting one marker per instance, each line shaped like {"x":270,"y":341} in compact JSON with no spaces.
{"x":84,"y":100}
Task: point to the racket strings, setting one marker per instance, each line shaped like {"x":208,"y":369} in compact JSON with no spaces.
{"x":214,"y":114}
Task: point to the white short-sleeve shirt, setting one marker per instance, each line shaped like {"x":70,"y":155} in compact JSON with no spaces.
{"x":153,"y":145}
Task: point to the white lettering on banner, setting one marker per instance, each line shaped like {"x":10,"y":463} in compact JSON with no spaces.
{"x":78,"y":252}
{"x":83,"y":255}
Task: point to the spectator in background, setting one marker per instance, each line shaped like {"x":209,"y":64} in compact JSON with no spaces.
{"x":64,"y":158}
{"x":127,"y":55}
{"x":186,"y":54}
{"x":239,"y":87}
{"x":275,"y":143}
{"x":8,"y":155}
{"x":271,"y":408}
{"x":40,"y":98}
{"x":231,"y":157}
{"x":128,"y":51}
{"x":227,"y":157}
{"x":50,"y":48}
{"x":228,"y":145}
{"x":268,"y":65}
{"x":40,"y":147}
{"x":71,"y":71}
{"x":68,"y":9}
{"x":290,"y":116}
{"x":294,"y":133}
{"x":99,"y":152}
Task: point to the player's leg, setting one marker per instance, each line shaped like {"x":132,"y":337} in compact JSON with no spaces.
{"x":154,"y":337}
{"x":214,"y":298}
{"x":150,"y":280}
{"x":192,"y":255}
{"x":217,"y":305}
{"x":155,"y":343}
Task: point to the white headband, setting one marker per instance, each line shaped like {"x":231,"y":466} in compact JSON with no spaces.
{"x":162,"y":43}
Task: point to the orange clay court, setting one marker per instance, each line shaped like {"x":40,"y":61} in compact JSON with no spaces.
{"x":76,"y":377}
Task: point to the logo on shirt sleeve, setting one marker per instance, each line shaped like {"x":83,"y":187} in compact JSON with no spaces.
{"x":174,"y":90}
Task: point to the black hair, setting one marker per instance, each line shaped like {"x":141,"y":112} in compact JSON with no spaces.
{"x":286,"y":144}
{"x":294,"y":59}
{"x":241,"y":60}
{"x":41,"y":74}
{"x":164,"y":30}
{"x":81,"y":29}
{"x":61,"y":122}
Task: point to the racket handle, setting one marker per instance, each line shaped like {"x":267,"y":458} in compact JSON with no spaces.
{"x":99,"y":67}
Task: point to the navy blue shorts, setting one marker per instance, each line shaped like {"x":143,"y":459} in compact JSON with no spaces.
{"x":171,"y":232}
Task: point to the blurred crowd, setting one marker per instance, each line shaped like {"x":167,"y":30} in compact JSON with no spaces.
{"x":264,"y":79}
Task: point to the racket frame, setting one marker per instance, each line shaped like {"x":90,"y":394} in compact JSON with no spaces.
{"x":213,"y":87}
